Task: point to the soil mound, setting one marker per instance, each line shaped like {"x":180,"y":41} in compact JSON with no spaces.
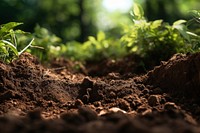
{"x":25,"y":85}
{"x":181,"y":75}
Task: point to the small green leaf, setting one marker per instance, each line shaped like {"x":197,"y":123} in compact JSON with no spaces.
{"x":20,"y":32}
{"x":101,"y":36}
{"x":179,"y":25}
{"x":5,"y":28}
{"x":155,"y":24}
{"x":11,"y":46}
{"x":179,"y":22}
{"x":137,"y":12}
{"x":192,"y":34}
{"x":92,"y":39}
{"x":195,"y":13}
{"x":183,"y":31}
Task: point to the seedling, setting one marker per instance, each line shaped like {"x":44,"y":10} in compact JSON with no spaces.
{"x":8,"y":42}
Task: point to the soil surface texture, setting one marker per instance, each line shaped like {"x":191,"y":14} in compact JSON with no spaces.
{"x":107,"y":98}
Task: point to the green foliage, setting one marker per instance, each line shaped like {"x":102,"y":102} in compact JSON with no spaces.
{"x":196,"y":15}
{"x":45,"y":43}
{"x":168,"y":10}
{"x":137,"y":12}
{"x":195,"y":38}
{"x":156,"y":41}
{"x":152,"y":40}
{"x":8,"y":42}
{"x":95,"y":48}
{"x":68,"y":19}
{"x":45,"y":40}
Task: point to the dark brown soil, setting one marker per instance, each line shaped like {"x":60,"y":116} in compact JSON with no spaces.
{"x":35,"y":99}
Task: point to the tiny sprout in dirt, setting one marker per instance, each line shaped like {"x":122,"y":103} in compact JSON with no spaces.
{"x":8,"y":42}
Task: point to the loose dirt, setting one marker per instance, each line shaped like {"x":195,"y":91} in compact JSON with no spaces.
{"x":57,"y":99}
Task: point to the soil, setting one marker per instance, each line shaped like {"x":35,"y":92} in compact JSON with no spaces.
{"x":110,"y":97}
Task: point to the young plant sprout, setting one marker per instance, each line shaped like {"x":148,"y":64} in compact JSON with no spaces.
{"x":8,"y":42}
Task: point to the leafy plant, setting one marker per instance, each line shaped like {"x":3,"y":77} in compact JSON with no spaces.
{"x":45,"y":43}
{"x":95,"y":48}
{"x":196,"y":15}
{"x":8,"y":42}
{"x":154,"y":40}
{"x":194,"y":38}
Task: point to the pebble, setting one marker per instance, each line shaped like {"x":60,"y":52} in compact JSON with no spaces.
{"x":115,"y":109}
{"x":123,"y":104}
{"x":148,"y":111}
{"x":87,"y":83}
{"x":154,"y":100}
{"x":141,"y":109}
{"x":111,"y":110}
{"x":170,"y":106}
{"x":78,"y":103}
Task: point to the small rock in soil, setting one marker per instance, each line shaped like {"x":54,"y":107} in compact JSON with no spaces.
{"x":123,"y":104}
{"x":141,"y":109}
{"x":87,"y":83}
{"x":148,"y":111}
{"x":170,"y":106}
{"x":154,"y":100}
{"x":115,"y":110}
{"x":78,"y":103}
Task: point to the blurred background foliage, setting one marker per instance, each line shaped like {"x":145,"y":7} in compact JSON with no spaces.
{"x":169,"y":10}
{"x":89,"y":30}
{"x":68,"y":19}
{"x":77,"y":19}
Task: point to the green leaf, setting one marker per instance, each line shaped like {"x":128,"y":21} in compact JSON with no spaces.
{"x":196,"y":14}
{"x":3,"y":48}
{"x":192,"y":34}
{"x":183,"y":31}
{"x":101,"y":36}
{"x":5,"y":28}
{"x":179,"y":25}
{"x":178,"y":22}
{"x":92,"y":39}
{"x":20,"y":32}
{"x":11,"y":46}
{"x":137,"y":11}
{"x":155,"y":24}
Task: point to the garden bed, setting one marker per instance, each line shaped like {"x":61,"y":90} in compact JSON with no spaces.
{"x":34,"y":98}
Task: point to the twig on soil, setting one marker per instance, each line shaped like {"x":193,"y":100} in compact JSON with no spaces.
{"x":59,"y":68}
